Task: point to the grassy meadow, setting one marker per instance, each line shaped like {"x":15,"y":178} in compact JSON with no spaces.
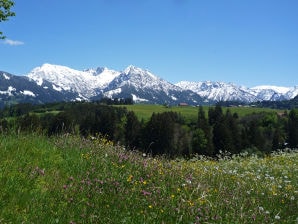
{"x":68,"y":179}
{"x":144,"y":111}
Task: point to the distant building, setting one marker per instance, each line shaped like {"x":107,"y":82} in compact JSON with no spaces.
{"x":182,"y":104}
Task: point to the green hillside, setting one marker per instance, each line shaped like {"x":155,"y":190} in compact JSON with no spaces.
{"x":68,"y":179}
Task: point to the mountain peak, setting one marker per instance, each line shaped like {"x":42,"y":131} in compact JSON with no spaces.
{"x":136,"y":71}
{"x":131,"y":69}
{"x":51,"y":66}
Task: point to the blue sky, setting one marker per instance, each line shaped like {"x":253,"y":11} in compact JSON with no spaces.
{"x":247,"y":42}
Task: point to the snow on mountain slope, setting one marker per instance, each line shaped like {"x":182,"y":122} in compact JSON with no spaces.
{"x":278,"y":89}
{"x":293,"y":92}
{"x":270,"y":92}
{"x":21,"y":89}
{"x":103,"y":76}
{"x":86,"y":83}
{"x":142,"y":79}
{"x":142,"y":84}
{"x":219,"y":91}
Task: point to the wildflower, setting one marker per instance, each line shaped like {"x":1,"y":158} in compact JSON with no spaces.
{"x":261,"y":209}
{"x":146,"y":193}
{"x":129,"y":179}
{"x":172,"y":196}
{"x":188,"y":181}
{"x":150,"y":206}
{"x":277,"y":217}
{"x":41,"y":172}
{"x":190,"y":203}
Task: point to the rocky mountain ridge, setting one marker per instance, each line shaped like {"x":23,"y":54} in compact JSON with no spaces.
{"x":51,"y":83}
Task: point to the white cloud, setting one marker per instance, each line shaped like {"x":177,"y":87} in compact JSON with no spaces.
{"x":13,"y":42}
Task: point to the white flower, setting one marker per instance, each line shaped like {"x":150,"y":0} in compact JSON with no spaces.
{"x":188,"y":181}
{"x":277,"y":217}
{"x":261,"y":209}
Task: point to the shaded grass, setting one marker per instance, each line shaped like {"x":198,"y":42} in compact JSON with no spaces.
{"x":67,"y":179}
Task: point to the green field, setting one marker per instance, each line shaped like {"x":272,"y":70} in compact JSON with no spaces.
{"x":68,"y":179}
{"x":144,"y":111}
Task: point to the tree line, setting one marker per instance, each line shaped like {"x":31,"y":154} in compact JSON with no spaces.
{"x":165,"y":133}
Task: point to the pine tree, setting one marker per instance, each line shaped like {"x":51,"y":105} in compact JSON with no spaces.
{"x":293,"y":128}
{"x":132,"y":130}
{"x":202,"y":137}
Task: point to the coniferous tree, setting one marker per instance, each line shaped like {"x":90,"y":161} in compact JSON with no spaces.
{"x":277,"y":139}
{"x":158,"y":136}
{"x":293,"y":128}
{"x":222,"y":137}
{"x":132,"y":130}
{"x":182,"y":140}
{"x":234,"y":135}
{"x":202,"y":120}
{"x":199,"y":142}
{"x":221,"y":134}
{"x":215,"y":115}
{"x":255,"y":134}
{"x":202,"y":142}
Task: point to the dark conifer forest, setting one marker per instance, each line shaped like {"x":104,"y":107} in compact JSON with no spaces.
{"x":167,"y":133}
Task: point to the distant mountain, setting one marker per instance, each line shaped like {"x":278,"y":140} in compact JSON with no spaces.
{"x":20,"y":89}
{"x":274,"y":93}
{"x":219,"y":91}
{"x":92,"y":84}
{"x":51,"y":83}
{"x":144,"y":86}
{"x":86,"y":83}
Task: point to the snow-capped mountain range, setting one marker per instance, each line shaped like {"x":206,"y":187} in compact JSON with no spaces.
{"x":50,"y":83}
{"x":220,"y":91}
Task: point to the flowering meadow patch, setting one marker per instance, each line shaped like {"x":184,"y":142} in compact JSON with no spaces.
{"x":68,"y":179}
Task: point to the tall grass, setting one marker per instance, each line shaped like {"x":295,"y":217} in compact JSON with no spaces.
{"x":68,"y":179}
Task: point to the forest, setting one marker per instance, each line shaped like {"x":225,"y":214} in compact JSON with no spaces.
{"x":168,"y":133}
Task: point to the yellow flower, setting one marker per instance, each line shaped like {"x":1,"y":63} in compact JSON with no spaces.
{"x":150,"y":206}
{"x":191,"y":203}
{"x":129,"y":178}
